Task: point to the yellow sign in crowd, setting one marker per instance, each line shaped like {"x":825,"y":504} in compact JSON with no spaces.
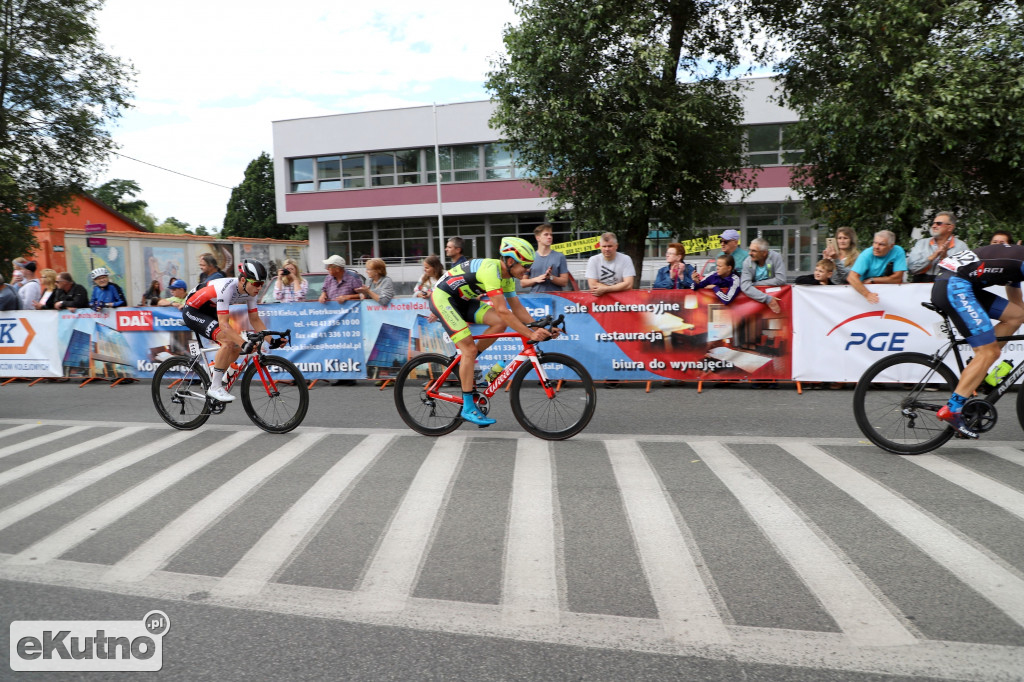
{"x":696,"y":245}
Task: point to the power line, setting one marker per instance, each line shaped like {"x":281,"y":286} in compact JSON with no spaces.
{"x":191,"y":177}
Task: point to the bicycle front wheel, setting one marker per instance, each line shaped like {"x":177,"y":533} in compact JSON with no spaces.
{"x":179,"y":392}
{"x":421,"y":412}
{"x":276,"y":408}
{"x":565,"y":413}
{"x":897,"y":400}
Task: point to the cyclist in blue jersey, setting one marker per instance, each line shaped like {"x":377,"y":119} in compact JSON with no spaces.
{"x":960,"y":290}
{"x":455,"y":301}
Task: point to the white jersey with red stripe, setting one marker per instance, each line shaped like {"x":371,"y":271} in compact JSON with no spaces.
{"x":221,"y":294}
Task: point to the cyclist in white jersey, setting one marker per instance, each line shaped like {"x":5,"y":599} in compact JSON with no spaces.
{"x":207,"y":312}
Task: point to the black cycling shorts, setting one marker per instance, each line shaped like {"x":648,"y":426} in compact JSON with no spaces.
{"x":203,"y":321}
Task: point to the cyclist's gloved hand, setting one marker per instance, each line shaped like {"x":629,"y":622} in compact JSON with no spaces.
{"x":279,"y":342}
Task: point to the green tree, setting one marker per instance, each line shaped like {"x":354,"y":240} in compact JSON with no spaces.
{"x":58,"y":89}
{"x":118,"y":194}
{"x":619,"y":112}
{"x":251,"y":209}
{"x":908,"y":107}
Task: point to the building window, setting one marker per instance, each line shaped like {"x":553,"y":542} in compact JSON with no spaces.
{"x":353,"y":170}
{"x":497,"y":161}
{"x":767,"y":146}
{"x":328,"y":172}
{"x":466,"y":162}
{"x":302,"y":175}
{"x":444,"y":154}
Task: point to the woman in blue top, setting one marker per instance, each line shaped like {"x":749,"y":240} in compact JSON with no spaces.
{"x":677,"y":274}
{"x":105,"y":294}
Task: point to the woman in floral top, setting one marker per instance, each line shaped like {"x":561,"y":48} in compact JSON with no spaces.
{"x":290,"y":286}
{"x":432,"y":271}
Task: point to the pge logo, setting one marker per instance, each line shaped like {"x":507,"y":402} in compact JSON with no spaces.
{"x":89,"y":645}
{"x":16,"y":334}
{"x":880,"y":341}
{"x":135,"y":320}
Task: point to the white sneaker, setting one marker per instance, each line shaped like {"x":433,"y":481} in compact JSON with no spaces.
{"x":220,"y":393}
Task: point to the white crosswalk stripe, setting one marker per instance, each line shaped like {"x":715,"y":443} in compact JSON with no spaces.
{"x":691,"y":607}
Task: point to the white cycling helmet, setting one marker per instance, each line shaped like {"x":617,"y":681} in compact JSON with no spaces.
{"x":99,"y":272}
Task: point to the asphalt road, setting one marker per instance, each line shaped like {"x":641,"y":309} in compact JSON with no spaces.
{"x":733,"y":534}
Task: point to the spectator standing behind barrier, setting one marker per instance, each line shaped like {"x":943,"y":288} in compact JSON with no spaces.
{"x":844,"y":255}
{"x":724,"y":282}
{"x":550,"y":271}
{"x":885,"y":263}
{"x":17,"y":277}
{"x":208,"y":270}
{"x":290,"y":286}
{"x":677,"y":274}
{"x":340,"y":284}
{"x":823,"y":271}
{"x":453,"y":250}
{"x":731,"y":247}
{"x":610,"y":271}
{"x":432,"y":271}
{"x":47,"y":285}
{"x":8,"y":296}
{"x":764,"y":268}
{"x":177,"y":297}
{"x":69,"y":295}
{"x":151,"y":296}
{"x":29,"y":291}
{"x":1001,"y":237}
{"x":381,"y":289}
{"x":923,"y":261}
{"x":105,"y":294}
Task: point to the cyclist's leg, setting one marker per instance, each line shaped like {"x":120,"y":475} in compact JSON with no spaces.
{"x":485,"y":314}
{"x":204,"y":323}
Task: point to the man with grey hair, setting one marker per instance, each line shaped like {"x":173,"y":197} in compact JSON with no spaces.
{"x":8,"y":297}
{"x":923,"y":260}
{"x":763,"y":267}
{"x":610,"y":271}
{"x":885,"y":263}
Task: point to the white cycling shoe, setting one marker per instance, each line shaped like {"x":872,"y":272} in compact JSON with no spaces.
{"x":220,"y":393}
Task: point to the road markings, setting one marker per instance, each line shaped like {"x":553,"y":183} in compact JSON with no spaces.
{"x":41,"y":463}
{"x":42,"y":440}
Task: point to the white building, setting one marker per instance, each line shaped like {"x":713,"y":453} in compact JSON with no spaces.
{"x":365,"y":184}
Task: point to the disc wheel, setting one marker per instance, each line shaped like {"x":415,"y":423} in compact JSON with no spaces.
{"x":422,"y":413}
{"x":564,"y":414}
{"x":896,"y":403}
{"x":276,"y":408}
{"x":179,"y":392}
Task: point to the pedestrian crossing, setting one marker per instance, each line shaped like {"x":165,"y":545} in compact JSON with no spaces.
{"x":825,"y":554}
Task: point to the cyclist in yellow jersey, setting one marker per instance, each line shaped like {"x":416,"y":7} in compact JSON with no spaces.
{"x":454,"y":301}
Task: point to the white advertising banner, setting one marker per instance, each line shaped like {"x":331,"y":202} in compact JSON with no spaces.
{"x":28,"y":344}
{"x":838,"y":334}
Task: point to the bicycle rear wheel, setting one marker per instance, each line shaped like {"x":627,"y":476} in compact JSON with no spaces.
{"x":179,"y":392}
{"x":278,"y":408}
{"x":564,"y":414}
{"x":897,"y":400}
{"x":422,"y":413}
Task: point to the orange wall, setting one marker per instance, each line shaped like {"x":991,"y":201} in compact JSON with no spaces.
{"x":50,"y":232}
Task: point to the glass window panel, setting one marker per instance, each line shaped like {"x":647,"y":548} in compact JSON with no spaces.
{"x":383,"y":180}
{"x":302,"y":187}
{"x":361,"y":250}
{"x":330,"y":184}
{"x":763,"y":138}
{"x":466,"y":156}
{"x":445,"y":154}
{"x":409,"y":179}
{"x":328,"y":167}
{"x":337,"y":231}
{"x":390,"y":248}
{"x":389,"y":233}
{"x":467,"y":175}
{"x":498,"y":154}
{"x":416,"y":233}
{"x":353,"y":165}
{"x":408,"y":161}
{"x":364,"y":233}
{"x":498,"y":173}
{"x":354,"y":182}
{"x":792,"y":157}
{"x":764,"y":159}
{"x":382,"y":163}
{"x":445,"y":177}
{"x":302,"y":170}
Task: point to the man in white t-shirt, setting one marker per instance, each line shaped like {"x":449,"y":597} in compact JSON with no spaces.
{"x":611,"y":271}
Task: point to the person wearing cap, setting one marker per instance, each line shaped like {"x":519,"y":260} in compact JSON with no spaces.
{"x":177,"y":297}
{"x":105,"y":294}
{"x":29,"y":291}
{"x":731,"y":247}
{"x":340,"y":284}
{"x":8,"y":296}
{"x":69,"y":295}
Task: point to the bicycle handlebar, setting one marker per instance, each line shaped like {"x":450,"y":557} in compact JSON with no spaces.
{"x":256,"y":338}
{"x":549,"y":323}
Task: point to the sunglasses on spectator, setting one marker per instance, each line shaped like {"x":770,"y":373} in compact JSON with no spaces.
{"x":940,"y":224}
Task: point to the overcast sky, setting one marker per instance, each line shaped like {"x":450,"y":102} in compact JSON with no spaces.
{"x":213,"y":74}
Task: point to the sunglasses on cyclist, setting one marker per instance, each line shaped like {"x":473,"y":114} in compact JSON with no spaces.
{"x":257,"y":282}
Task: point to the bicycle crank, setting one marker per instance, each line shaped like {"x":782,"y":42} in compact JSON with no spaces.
{"x":980,"y":415}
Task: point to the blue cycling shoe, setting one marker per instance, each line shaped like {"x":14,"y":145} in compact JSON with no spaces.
{"x":475,"y":416}
{"x":956,"y":420}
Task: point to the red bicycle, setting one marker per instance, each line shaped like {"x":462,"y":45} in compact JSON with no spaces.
{"x":553,"y":396}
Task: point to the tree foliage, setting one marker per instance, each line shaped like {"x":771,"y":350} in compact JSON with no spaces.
{"x":908,"y":107}
{"x":58,"y":89}
{"x":251,"y":209}
{"x":618,"y":109}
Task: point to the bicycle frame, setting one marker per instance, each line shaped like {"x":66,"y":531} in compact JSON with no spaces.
{"x":954,"y":344}
{"x":528,"y":352}
{"x":197,"y":352}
